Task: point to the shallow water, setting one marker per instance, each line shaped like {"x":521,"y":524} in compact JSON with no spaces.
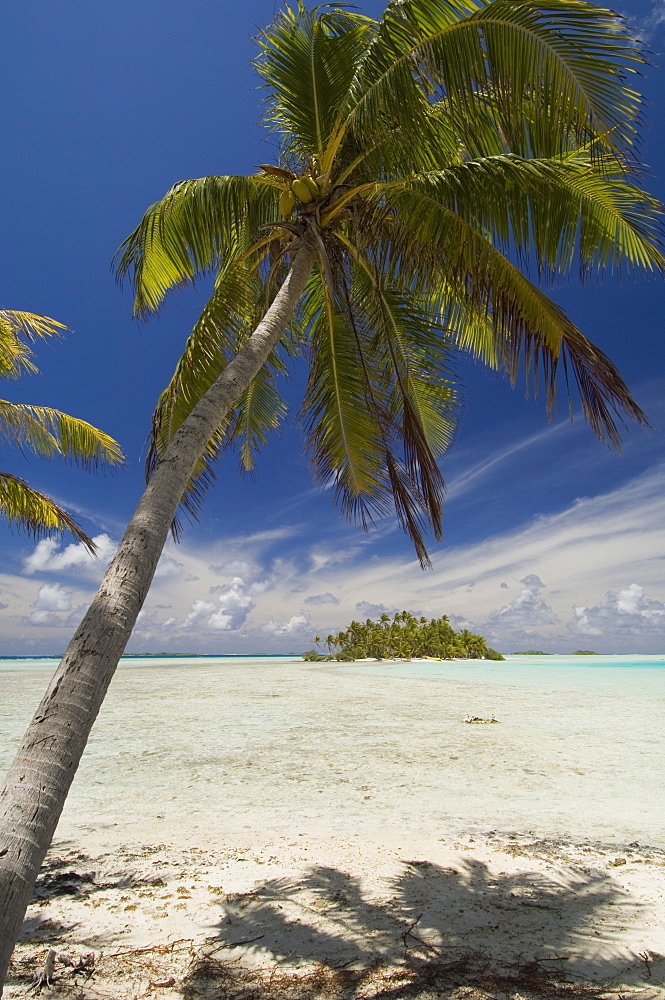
{"x":191,"y":747}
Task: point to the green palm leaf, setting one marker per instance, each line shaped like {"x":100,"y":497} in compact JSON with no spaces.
{"x":236,"y":305}
{"x":49,"y":432}
{"x":25,"y":508}
{"x":569,"y":55}
{"x":341,"y":429}
{"x":17,"y":331}
{"x":307,"y":61}
{"x":45,"y":431}
{"x":190,"y":231}
{"x":528,"y":326}
{"x":555,"y":210}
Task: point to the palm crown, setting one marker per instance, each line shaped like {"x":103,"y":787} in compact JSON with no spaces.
{"x":431,"y":159}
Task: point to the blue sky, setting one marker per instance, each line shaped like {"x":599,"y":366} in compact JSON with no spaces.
{"x":551,"y":541}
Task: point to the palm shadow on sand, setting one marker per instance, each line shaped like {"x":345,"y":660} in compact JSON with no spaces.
{"x":434,"y":929}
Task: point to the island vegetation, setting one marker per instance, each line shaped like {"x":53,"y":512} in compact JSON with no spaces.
{"x":530,"y":652}
{"x":585,"y":652}
{"x":403,"y":637}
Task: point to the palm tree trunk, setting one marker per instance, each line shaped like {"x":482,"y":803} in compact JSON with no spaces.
{"x":40,"y":777}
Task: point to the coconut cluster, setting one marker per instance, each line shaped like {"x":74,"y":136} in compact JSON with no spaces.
{"x":303,"y":189}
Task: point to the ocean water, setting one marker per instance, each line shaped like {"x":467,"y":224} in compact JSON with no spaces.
{"x":193,"y":748}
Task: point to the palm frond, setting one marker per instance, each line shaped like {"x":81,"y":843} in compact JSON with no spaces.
{"x":31,"y":511}
{"x":50,"y":432}
{"x":17,"y":331}
{"x":341,"y":433}
{"x":261,"y":409}
{"x":190,"y":230}
{"x":413,"y":358}
{"x":307,"y":62}
{"x":568,"y":58}
{"x":366,"y":413}
{"x":235,"y":307}
{"x":398,"y":152}
{"x":528,"y":327}
{"x":555,"y":211}
{"x":413,"y":355}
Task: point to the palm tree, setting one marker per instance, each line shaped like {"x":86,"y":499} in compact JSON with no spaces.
{"x":422,"y":155}
{"x":45,"y":431}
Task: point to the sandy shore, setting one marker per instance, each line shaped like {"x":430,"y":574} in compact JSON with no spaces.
{"x":494,"y":914}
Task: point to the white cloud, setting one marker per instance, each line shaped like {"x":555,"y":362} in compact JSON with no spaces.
{"x":49,"y":557}
{"x":265,"y":538}
{"x":321,"y":558}
{"x":41,"y":618}
{"x":296,"y":625}
{"x":235,"y":603}
{"x":593,"y":545}
{"x":626,"y":613}
{"x":168,"y":566}
{"x":470,"y":477}
{"x":53,"y":597}
{"x":326,"y":598}
{"x":369,"y":610}
{"x":52,"y":600}
{"x":197,"y":612}
{"x":527,"y":610}
{"x":235,"y":567}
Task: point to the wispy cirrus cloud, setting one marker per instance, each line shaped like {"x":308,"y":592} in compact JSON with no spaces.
{"x":648,"y":24}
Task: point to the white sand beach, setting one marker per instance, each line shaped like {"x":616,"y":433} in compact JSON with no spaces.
{"x":235,"y":826}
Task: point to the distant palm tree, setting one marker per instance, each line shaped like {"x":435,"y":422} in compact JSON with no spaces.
{"x":45,"y":431}
{"x":422,"y":155}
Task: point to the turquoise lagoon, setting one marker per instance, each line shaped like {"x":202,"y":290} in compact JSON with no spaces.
{"x":194,"y":747}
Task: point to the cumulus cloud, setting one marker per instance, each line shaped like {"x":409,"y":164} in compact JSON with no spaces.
{"x":41,"y":618}
{"x":527,"y":610}
{"x":53,"y":597}
{"x":624,"y":613}
{"x":49,"y":556}
{"x":235,"y":603}
{"x":326,"y":598}
{"x":294,"y":626}
{"x":235,"y":600}
{"x":52,"y":600}
{"x":197,"y":613}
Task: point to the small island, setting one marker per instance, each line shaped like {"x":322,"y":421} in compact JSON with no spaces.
{"x":404,"y":637}
{"x":585,"y":652}
{"x":530,"y":652}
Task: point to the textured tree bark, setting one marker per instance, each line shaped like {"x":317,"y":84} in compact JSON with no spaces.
{"x":40,"y":777}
